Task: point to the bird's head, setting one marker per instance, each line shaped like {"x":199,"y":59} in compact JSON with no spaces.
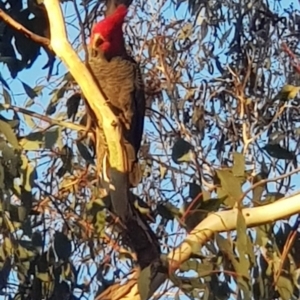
{"x":107,"y":35}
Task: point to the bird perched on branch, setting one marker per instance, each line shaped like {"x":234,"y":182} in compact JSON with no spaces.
{"x":119,"y":77}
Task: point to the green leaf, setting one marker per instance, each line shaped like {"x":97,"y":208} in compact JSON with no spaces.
{"x":272,"y":197}
{"x":57,"y":95}
{"x":185,"y":32}
{"x":238,"y":168}
{"x":44,"y":277}
{"x":8,"y":247}
{"x":205,"y":269}
{"x":144,"y":282}
{"x":51,"y":109}
{"x":84,"y":152}
{"x":100,"y":222}
{"x":6,"y":96}
{"x":258,"y":190}
{"x":194,"y":190}
{"x":17,"y":213}
{"x":262,"y":235}
{"x":31,"y":93}
{"x":241,"y":241}
{"x":29,"y":121}
{"x":6,"y":129}
{"x":141,"y":206}
{"x":243,"y":279}
{"x":231,"y":187}
{"x":38,"y":89}
{"x":66,"y":156}
{"x":276,"y":151}
{"x":62,"y":246}
{"x":191,"y":264}
{"x":182,"y":151}
{"x":287,"y":92}
{"x":72,"y":105}
{"x":33,"y":141}
{"x":162,"y":171}
{"x":29,"y":177}
{"x":28,"y":103}
{"x":198,"y":119}
{"x":52,"y":136}
{"x":223,"y":244}
{"x":2,"y":186}
{"x":285,"y":288}
{"x":167,"y":211}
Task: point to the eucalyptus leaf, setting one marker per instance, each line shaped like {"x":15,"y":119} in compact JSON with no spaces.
{"x":182,"y":151}
{"x":31,"y":93}
{"x":8,"y":132}
{"x":144,"y":282}
{"x":276,"y":151}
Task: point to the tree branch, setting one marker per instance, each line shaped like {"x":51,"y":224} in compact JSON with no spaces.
{"x":17,"y":26}
{"x":222,"y":221}
{"x":44,"y":118}
{"x":226,"y":220}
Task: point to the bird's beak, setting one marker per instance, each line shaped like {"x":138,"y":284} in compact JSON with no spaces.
{"x":97,"y":41}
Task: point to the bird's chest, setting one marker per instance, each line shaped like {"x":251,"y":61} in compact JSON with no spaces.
{"x":115,"y":77}
{"x":117,"y":80}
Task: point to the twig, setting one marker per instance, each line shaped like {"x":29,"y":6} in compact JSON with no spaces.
{"x":45,"y":118}
{"x":263,"y":181}
{"x":295,"y":63}
{"x":17,"y":26}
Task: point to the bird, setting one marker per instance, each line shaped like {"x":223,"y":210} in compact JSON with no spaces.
{"x":119,"y":78}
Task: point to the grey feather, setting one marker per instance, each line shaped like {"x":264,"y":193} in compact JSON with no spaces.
{"x":121,"y":81}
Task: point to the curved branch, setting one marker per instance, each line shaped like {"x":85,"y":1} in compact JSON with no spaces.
{"x":221,"y":222}
{"x":17,"y":26}
{"x":226,"y":220}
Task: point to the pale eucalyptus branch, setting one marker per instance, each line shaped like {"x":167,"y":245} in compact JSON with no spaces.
{"x":224,"y":221}
{"x":218,"y":222}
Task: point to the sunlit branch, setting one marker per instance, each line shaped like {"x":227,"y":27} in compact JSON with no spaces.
{"x":227,"y":220}
{"x":217,"y":222}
